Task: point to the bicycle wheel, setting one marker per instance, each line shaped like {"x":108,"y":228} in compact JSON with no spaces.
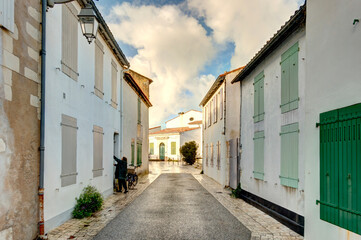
{"x":130,"y":183}
{"x":135,"y":180}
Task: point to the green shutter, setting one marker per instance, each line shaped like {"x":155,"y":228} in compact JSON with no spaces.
{"x":340,"y":167}
{"x":258,"y":140}
{"x":289,"y":155}
{"x":289,"y":79}
{"x":139,"y":153}
{"x":259,"y":97}
{"x":151,"y":148}
{"x":132,"y":152}
{"x":173,"y":148}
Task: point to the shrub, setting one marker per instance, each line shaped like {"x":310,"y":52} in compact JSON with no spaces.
{"x":89,"y":201}
{"x":236,"y":193}
{"x":189,"y":152}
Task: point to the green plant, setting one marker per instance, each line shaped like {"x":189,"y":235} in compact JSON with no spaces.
{"x":189,"y":152}
{"x":89,"y":201}
{"x":202,"y":172}
{"x":236,"y":193}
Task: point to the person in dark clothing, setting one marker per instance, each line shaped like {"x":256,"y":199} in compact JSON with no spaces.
{"x":121,"y":171}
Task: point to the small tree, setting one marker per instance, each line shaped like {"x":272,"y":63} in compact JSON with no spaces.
{"x":89,"y":201}
{"x":189,"y":152}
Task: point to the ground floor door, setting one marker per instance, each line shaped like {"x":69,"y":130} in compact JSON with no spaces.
{"x":161,"y":151}
{"x":233,"y":163}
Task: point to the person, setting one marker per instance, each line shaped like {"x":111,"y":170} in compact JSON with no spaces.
{"x":121,"y":171}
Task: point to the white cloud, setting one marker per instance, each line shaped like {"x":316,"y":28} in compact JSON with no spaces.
{"x":249,"y":24}
{"x":172,"y":49}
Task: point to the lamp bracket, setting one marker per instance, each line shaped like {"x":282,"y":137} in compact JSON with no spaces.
{"x":52,"y":2}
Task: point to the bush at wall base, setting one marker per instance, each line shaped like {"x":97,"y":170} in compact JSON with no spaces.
{"x":189,"y":152}
{"x":236,"y":193}
{"x":89,"y":201}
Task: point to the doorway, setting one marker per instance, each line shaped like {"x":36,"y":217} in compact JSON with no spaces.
{"x":161,"y":151}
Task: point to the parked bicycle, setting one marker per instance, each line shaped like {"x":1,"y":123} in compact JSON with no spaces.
{"x":132,"y":179}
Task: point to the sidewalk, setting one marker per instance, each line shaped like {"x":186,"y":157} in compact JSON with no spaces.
{"x":262,"y":226}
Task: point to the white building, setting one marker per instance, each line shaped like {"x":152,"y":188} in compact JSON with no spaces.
{"x":221,"y":114}
{"x":164,"y":144}
{"x":332,"y":151}
{"x":273,"y":125}
{"x":90,"y":112}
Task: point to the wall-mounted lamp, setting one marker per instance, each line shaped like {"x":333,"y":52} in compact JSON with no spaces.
{"x":355,"y":21}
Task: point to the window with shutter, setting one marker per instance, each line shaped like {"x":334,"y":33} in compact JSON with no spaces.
{"x":151,"y":148}
{"x":218,"y":155}
{"x":340,"y":167}
{"x":215,"y":108}
{"x":221,"y":103}
{"x":210,"y":113}
{"x":139,"y":153}
{"x":99,"y":58}
{"x":289,"y":79}
{"x":69,"y":58}
{"x":114,"y":85}
{"x":258,"y":141}
{"x":7,"y":14}
{"x":132,"y":153}
{"x":97,"y":151}
{"x":69,"y":130}
{"x":212,"y":154}
{"x":259,"y":97}
{"x":289,"y":155}
{"x":173,"y":148}
{"x":207,"y":155}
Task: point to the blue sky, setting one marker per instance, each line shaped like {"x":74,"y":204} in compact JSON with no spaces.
{"x":183,"y":45}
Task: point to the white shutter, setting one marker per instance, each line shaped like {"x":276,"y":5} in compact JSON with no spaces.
{"x":7,"y":14}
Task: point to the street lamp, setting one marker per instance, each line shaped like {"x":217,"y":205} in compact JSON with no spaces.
{"x":88,"y":22}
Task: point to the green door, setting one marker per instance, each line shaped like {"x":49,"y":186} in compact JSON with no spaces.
{"x":161,"y":151}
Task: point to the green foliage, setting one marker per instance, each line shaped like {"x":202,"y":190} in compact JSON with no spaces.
{"x":202,"y":172}
{"x":236,"y":193}
{"x":189,"y":152}
{"x":89,"y":201}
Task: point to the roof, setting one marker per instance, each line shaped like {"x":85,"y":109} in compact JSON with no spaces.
{"x":174,"y":130}
{"x":129,"y":79}
{"x":217,"y":83}
{"x":150,"y":80}
{"x":295,"y":22}
{"x":183,"y":113}
{"x":107,"y":34}
{"x":154,"y":127}
{"x":196,"y":122}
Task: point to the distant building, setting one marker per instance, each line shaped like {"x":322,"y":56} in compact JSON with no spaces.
{"x":164,"y":144}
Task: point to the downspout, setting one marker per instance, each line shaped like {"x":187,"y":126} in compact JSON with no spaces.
{"x":240,"y":135}
{"x":42,"y":121}
{"x":225,"y":106}
{"x":122,"y":112}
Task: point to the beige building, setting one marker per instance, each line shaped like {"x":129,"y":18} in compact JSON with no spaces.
{"x":20,"y":41}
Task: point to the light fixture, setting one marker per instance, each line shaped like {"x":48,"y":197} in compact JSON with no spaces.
{"x":88,"y":22}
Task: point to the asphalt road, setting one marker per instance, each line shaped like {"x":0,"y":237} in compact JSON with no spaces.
{"x":174,"y":206}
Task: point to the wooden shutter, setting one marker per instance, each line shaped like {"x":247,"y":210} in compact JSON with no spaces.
{"x":99,"y":61}
{"x":289,"y":155}
{"x":173,"y":148}
{"x":139,"y":111}
{"x":340,"y":164}
{"x":69,"y":150}
{"x":212,"y":161}
{"x":289,"y":79}
{"x":258,"y":141}
{"x":218,"y":155}
{"x":221,"y":104}
{"x":132,"y":153}
{"x":69,"y":59}
{"x":97,"y":151}
{"x":139,"y":153}
{"x":259,"y":97}
{"x":7,"y":14}
{"x":114,"y":84}
{"x":207,"y":155}
{"x":151,"y":148}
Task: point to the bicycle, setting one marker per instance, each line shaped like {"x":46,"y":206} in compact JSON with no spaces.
{"x":132,"y":179}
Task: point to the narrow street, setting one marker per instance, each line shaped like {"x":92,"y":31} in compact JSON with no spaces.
{"x":175,"y":206}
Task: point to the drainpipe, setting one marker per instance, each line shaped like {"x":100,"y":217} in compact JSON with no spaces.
{"x":122,"y":112}
{"x":240,"y":136}
{"x":224,"y":106}
{"x":42,"y":121}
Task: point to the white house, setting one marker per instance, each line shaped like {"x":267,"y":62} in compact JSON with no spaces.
{"x":90,"y":111}
{"x":332,"y":151}
{"x":164,"y":144}
{"x":272,"y":102}
{"x":221,"y":114}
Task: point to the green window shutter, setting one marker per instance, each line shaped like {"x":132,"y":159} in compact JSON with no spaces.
{"x":139,"y":154}
{"x":340,"y":171}
{"x":151,"y":148}
{"x":259,"y":97}
{"x":133,"y":153}
{"x":289,"y":79}
{"x":289,"y":155}
{"x":173,"y":148}
{"x":258,"y":140}
{"x":256,"y":103}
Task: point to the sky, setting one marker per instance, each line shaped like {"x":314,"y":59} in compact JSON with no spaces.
{"x":183,"y":45}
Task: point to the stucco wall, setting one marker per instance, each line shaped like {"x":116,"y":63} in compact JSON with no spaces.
{"x":271,"y":189}
{"x":333,"y":81}
{"x":182,"y":120}
{"x":20,"y":125}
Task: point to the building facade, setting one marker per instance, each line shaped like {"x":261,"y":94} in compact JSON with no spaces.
{"x":221,"y":114}
{"x":20,"y":42}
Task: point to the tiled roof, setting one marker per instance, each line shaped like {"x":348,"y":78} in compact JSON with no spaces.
{"x":173,"y":130}
{"x":196,"y":122}
{"x":154,"y":127}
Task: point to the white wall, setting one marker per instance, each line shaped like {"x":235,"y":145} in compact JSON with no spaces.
{"x":271,"y":189}
{"x":76,"y":99}
{"x":182,"y":120}
{"x":333,"y":81}
{"x":167,"y":139}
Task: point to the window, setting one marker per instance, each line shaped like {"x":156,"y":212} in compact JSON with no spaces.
{"x":215,"y":108}
{"x":114,"y":85}
{"x":258,"y":141}
{"x":191,"y":119}
{"x":218,"y":155}
{"x":97,"y":151}
{"x":139,"y":153}
{"x":259,"y":97}
{"x":289,"y":79}
{"x":173,"y":148}
{"x":132,"y":153}
{"x":69,"y":57}
{"x":221,"y":103}
{"x":289,"y":155}
{"x":151,"y":148}
{"x":68,"y":150}
{"x":139,"y":111}
{"x":205,"y":116}
{"x":7,"y":14}
{"x":340,"y":167}
{"x":99,"y":55}
{"x":209,"y":108}
{"x":206,"y":154}
{"x":212,"y":154}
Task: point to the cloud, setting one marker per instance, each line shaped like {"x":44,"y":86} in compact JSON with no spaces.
{"x":249,"y":24}
{"x":172,"y":49}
